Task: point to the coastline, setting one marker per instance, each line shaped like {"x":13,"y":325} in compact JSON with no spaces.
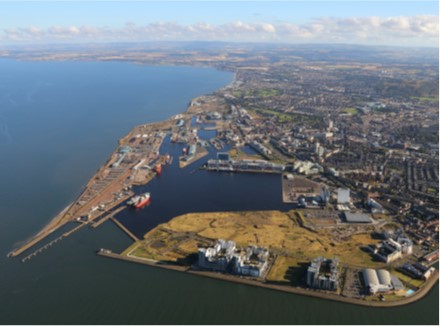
{"x":54,"y":224}
{"x":100,"y":286}
{"x":61,"y":220}
{"x":65,"y":216}
{"x":419,"y":294}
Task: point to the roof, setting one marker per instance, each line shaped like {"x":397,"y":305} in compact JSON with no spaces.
{"x":370,"y":277}
{"x":396,"y":283}
{"x":357,"y":217}
{"x":384,"y":277}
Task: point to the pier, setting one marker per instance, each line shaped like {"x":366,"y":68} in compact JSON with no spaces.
{"x":53,"y":225}
{"x":106,"y":217}
{"x":51,"y":243}
{"x":80,"y":226}
{"x":131,"y":235}
{"x":149,"y":262}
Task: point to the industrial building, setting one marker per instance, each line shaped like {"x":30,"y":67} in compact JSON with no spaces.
{"x":417,"y":270}
{"x":213,"y":116}
{"x":192,"y":150}
{"x":305,"y":192}
{"x":323,"y":274}
{"x":391,"y":250}
{"x":343,"y":196}
{"x":375,"y":207}
{"x":123,"y":151}
{"x":357,"y":217}
{"x":260,"y":148}
{"x":307,"y":167}
{"x":180,"y":123}
{"x":380,"y":281}
{"x":377,"y":280}
{"x":432,"y":256}
{"x":245,"y":166}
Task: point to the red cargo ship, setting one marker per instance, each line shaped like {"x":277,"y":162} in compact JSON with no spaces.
{"x":139,"y":201}
{"x":158,"y":169}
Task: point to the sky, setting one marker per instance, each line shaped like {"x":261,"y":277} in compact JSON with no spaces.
{"x":407,"y":23}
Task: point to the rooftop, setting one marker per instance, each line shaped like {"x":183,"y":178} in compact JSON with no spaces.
{"x":357,"y":217}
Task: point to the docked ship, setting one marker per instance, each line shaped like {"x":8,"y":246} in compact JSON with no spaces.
{"x":158,"y":169}
{"x":139,"y":201}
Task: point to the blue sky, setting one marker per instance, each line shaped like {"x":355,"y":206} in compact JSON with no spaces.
{"x":99,"y":13}
{"x":248,"y":20}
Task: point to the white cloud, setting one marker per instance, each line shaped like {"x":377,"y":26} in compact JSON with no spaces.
{"x":400,"y":30}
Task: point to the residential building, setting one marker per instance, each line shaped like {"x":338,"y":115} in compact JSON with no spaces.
{"x":224,"y":256}
{"x":323,"y":274}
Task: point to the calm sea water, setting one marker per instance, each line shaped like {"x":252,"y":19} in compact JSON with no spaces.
{"x":58,"y":124}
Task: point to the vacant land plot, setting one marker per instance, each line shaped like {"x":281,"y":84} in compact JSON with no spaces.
{"x":278,"y":231}
{"x":288,"y":270}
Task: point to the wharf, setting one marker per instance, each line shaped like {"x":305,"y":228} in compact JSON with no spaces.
{"x":238,"y":170}
{"x":112,"y":205}
{"x":149,"y":262}
{"x":201,"y":153}
{"x":106,"y":217}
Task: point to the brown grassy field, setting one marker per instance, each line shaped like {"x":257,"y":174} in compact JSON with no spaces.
{"x":275,"y":230}
{"x":288,"y":269}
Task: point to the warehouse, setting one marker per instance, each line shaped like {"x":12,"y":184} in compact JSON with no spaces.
{"x":357,"y":217}
{"x":380,"y":281}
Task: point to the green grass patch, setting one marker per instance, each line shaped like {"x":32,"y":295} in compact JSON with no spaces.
{"x":267,"y":92}
{"x":425,"y":98}
{"x":134,"y":245}
{"x":392,"y":297}
{"x":283,"y":117}
{"x":260,"y":92}
{"x":351,"y":111}
{"x":408,"y":280}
